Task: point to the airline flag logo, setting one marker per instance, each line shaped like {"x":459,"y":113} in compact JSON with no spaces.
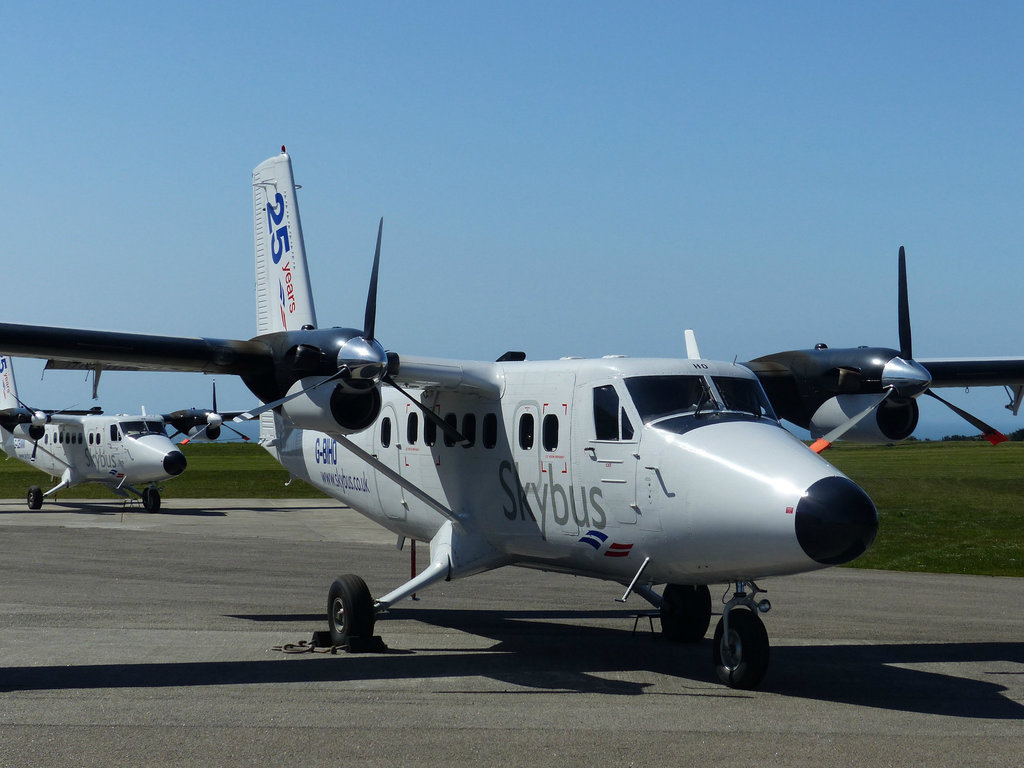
{"x":618,"y":550}
{"x":597,"y":540}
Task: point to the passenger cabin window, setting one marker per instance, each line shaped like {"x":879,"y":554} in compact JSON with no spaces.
{"x":412,"y":429}
{"x":526,"y":431}
{"x":549,"y":432}
{"x":490,"y":430}
{"x":385,"y":432}
{"x":429,"y":432}
{"x":452,"y":421}
{"x":469,"y":429}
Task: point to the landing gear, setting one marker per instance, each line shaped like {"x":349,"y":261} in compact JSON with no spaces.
{"x":151,"y":498}
{"x":350,"y":612}
{"x":35,"y":497}
{"x":740,"y":648}
{"x":685,"y":612}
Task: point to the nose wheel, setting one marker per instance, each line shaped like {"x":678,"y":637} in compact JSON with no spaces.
{"x":740,"y":647}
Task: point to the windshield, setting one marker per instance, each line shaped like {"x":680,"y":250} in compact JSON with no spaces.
{"x":658,"y":396}
{"x":703,"y":397}
{"x":136,"y":428}
{"x":744,"y":396}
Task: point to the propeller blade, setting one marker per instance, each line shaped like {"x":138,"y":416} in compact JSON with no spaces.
{"x":906,"y":343}
{"x":369,"y":323}
{"x":822,"y":443}
{"x":450,"y":432}
{"x":215,"y":396}
{"x":991,"y":434}
{"x":244,"y":437}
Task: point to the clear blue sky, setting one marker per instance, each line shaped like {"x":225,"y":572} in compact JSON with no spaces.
{"x":563,"y":178}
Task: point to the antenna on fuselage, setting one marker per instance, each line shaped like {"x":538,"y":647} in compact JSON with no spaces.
{"x":692,"y":352}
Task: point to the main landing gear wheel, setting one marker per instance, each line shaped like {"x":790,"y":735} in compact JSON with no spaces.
{"x":741,"y":657}
{"x":151,"y":499}
{"x":35,"y":497}
{"x":349,"y":610}
{"x":685,"y":612}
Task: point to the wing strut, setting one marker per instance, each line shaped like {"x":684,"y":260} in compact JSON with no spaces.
{"x":384,"y":469}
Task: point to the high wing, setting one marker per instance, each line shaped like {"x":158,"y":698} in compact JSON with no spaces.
{"x":67,"y":347}
{"x":980,"y":372}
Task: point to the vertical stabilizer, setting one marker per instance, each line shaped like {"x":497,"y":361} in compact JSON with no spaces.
{"x":284,"y":299}
{"x":8,"y":389}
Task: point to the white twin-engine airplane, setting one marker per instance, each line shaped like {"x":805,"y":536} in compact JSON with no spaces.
{"x":641,"y":472}
{"x":121,"y":452}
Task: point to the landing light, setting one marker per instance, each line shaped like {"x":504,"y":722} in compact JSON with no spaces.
{"x":764,"y":606}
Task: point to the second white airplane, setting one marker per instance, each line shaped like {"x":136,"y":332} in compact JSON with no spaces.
{"x":127,"y":454}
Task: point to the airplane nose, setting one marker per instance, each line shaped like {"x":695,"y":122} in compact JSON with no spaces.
{"x":835,"y":521}
{"x":174,"y":463}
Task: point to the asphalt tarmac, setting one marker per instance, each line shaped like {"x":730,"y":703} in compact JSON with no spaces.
{"x":129,"y":638}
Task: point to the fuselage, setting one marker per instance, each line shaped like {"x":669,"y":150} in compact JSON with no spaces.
{"x":593,"y":466}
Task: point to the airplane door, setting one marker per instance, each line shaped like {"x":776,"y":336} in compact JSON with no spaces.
{"x":387,"y":443}
{"x":526,"y":453}
{"x":606,"y":450}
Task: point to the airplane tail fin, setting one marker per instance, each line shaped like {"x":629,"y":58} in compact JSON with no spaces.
{"x":284,"y":299}
{"x":8,"y":389}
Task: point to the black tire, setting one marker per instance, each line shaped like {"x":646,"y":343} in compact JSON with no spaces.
{"x":349,"y":610}
{"x":685,"y":612}
{"x":742,"y":659}
{"x":35,"y":497}
{"x":151,"y":499}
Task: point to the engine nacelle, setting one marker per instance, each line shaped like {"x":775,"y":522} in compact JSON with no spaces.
{"x":201,"y":434}
{"x":29,"y":431}
{"x":332,"y":407}
{"x":891,"y":422}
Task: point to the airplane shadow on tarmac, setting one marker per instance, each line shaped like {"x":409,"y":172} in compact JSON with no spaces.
{"x":550,"y":651}
{"x":114,"y":508}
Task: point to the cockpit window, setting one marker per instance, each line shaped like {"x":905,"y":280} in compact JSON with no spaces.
{"x":658,"y":396}
{"x":610,"y":420}
{"x":722,"y":397}
{"x":137,"y":428}
{"x":744,"y":396}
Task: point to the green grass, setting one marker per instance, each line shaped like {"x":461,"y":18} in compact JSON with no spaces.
{"x":944,"y":507}
{"x":215,"y":470}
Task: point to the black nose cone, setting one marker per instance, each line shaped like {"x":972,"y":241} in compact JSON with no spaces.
{"x":835,"y":521}
{"x":174,"y":463}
